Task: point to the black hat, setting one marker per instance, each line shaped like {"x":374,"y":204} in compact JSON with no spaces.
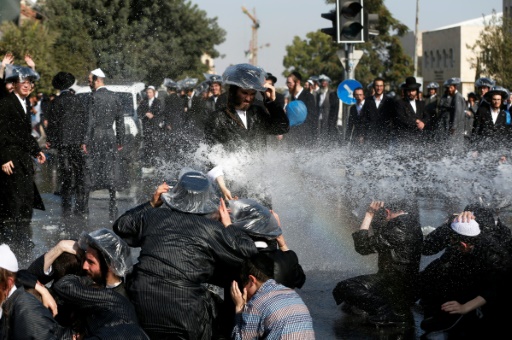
{"x":500,"y":90}
{"x":271,"y":77}
{"x":297,"y":75}
{"x":411,"y":84}
{"x":63,"y":81}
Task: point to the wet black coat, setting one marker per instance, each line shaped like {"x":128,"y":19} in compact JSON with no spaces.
{"x":150,"y":126}
{"x":19,"y":194}
{"x":377,"y":120}
{"x":306,"y":133}
{"x":105,"y":313}
{"x":398,"y":245}
{"x":105,"y":109}
{"x":179,"y":252}
{"x":67,"y":121}
{"x":25,"y":317}
{"x":225,"y":126}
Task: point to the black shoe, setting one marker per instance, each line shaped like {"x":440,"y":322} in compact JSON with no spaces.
{"x":388,"y":319}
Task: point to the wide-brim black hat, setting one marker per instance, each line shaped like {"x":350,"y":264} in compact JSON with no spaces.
{"x":503,"y":92}
{"x":271,"y":77}
{"x":411,"y":84}
{"x":63,"y":81}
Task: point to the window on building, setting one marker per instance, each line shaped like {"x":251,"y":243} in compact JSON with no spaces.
{"x":432,"y":59}
{"x":439,"y":58}
{"x":426,"y":59}
{"x":450,"y":58}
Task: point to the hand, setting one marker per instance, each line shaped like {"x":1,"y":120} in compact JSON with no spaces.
{"x":276,"y":216}
{"x":222,"y":185}
{"x":270,"y":93}
{"x":8,"y":59}
{"x":7,"y":167}
{"x":84,"y":148}
{"x":119,"y":147}
{"x":374,"y":207}
{"x":41,"y":158}
{"x":225,"y":219}
{"x":156,"y":200}
{"x":453,"y":307}
{"x":238,"y":297}
{"x":48,"y":145}
{"x":48,"y":300}
{"x":464,"y":217}
{"x":149,"y":115}
{"x":419,"y":124}
{"x":68,"y":246}
{"x":279,"y":137}
{"x":30,"y":62}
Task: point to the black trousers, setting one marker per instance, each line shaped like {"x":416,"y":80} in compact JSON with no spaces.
{"x":71,"y":168}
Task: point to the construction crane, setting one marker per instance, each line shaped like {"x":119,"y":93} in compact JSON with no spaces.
{"x":253,"y":46}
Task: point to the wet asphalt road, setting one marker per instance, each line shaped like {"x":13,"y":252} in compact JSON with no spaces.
{"x":330,"y":322}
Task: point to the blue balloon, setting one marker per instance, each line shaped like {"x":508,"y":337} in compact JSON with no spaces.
{"x":296,"y":111}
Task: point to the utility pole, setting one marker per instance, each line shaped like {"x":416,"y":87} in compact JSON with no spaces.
{"x":253,"y":47}
{"x":416,"y":32}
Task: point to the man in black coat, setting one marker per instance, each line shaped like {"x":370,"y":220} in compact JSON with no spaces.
{"x":67,"y":123}
{"x":494,"y":126}
{"x":101,"y":143}
{"x":181,"y":246}
{"x":355,"y":123}
{"x":305,"y":134}
{"x":215,"y":82}
{"x":149,"y":112}
{"x":244,"y":124}
{"x":377,"y":114}
{"x":387,"y":295}
{"x":17,"y":150}
{"x":411,"y":119}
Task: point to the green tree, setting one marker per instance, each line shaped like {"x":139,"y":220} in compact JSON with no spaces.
{"x":492,"y":50}
{"x":383,"y":54}
{"x":35,"y":39}
{"x":137,"y":39}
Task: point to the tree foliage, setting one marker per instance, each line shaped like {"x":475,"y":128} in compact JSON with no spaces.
{"x":493,"y":49}
{"x":137,"y":39}
{"x":383,"y":54}
{"x":142,"y":40}
{"x":35,"y":39}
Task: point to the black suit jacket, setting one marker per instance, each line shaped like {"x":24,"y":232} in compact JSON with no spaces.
{"x":155,"y":109}
{"x":404,"y":122}
{"x":493,"y":135}
{"x":19,"y":146}
{"x":377,"y":121}
{"x":67,"y":120}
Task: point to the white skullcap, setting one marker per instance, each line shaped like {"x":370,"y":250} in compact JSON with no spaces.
{"x":466,"y":228}
{"x":151,"y":87}
{"x":8,"y":259}
{"x":98,"y":73}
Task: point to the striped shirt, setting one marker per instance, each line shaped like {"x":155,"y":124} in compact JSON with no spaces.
{"x":274,"y":312}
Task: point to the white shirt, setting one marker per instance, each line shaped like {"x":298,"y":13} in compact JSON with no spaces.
{"x":413,"y":104}
{"x":359,"y":107}
{"x":243,"y":117}
{"x":494,"y":115}
{"x":298,"y":93}
{"x":150,"y":102}
{"x":378,"y":100}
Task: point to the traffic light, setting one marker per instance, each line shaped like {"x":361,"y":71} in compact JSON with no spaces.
{"x":332,"y":31}
{"x":350,"y":21}
{"x":370,"y":27}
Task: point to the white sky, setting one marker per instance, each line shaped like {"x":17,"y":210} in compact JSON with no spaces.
{"x":281,"y":20}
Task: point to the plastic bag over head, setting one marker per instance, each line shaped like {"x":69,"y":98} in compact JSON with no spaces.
{"x":20,"y":73}
{"x":116,"y":252}
{"x":189,"y":83}
{"x":194,"y":193}
{"x":245,"y":76}
{"x":168,"y":82}
{"x":202,"y":87}
{"x":255,"y":219}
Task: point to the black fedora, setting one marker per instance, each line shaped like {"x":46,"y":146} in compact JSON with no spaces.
{"x":63,"y":81}
{"x":271,"y":77}
{"x":411,"y":84}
